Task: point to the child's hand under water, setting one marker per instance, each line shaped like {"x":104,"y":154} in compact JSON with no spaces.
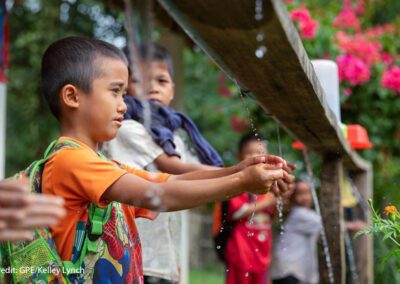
{"x":260,"y":178}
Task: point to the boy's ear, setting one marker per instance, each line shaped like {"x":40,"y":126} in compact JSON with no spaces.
{"x":70,"y":96}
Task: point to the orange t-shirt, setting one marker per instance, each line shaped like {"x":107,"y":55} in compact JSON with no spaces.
{"x":81,"y":176}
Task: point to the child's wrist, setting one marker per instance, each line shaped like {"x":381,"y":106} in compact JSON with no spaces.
{"x":242,"y":181}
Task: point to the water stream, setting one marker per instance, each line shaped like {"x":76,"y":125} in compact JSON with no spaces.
{"x":324,"y":239}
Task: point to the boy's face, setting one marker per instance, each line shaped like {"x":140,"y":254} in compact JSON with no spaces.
{"x":253,"y":148}
{"x":302,"y":195}
{"x":103,"y":109}
{"x":162,"y":88}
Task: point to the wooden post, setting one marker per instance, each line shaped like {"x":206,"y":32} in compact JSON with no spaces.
{"x":363,"y":245}
{"x":332,"y":216}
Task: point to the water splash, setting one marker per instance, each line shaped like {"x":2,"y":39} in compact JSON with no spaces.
{"x":279,"y":200}
{"x":259,"y":15}
{"x":324,"y":239}
{"x":350,"y":255}
{"x":261,"y":51}
{"x":259,"y":10}
{"x":260,"y":36}
{"x":279,"y":207}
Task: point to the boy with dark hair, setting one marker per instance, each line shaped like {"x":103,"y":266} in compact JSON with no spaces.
{"x":84,"y":81}
{"x":160,"y":148}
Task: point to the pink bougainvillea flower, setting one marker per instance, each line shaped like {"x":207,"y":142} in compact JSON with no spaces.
{"x":360,"y":9}
{"x":347,"y":91}
{"x":391,"y":79}
{"x":308,"y":29}
{"x":353,"y":69}
{"x":300,"y":14}
{"x":239,"y":124}
{"x":359,"y":46}
{"x":347,"y":19}
{"x":347,"y":3}
{"x":288,"y":1}
{"x":387,"y":58}
{"x":389,"y":28}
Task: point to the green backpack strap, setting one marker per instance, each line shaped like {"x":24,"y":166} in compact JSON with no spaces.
{"x":53,"y":147}
{"x":98,"y":217}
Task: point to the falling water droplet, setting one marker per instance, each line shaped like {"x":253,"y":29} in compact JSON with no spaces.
{"x":246,"y":274}
{"x":218,"y":247}
{"x":258,"y":17}
{"x":227,"y":270}
{"x":261,"y":51}
{"x":260,"y":37}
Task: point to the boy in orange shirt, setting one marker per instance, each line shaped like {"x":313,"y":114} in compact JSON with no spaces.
{"x":84,"y":81}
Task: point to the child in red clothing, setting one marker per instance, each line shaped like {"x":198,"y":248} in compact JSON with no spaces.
{"x":248,"y":250}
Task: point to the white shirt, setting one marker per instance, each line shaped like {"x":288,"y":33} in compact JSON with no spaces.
{"x":133,"y":146}
{"x":161,"y":238}
{"x":295,"y":251}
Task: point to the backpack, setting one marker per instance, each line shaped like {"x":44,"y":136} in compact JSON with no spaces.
{"x":37,"y":260}
{"x":222,"y":228}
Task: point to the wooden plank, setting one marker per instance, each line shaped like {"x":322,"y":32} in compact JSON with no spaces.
{"x":363,"y":246}
{"x":332,"y":216}
{"x":283,"y":82}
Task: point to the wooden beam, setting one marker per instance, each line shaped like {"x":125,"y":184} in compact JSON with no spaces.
{"x":332,"y":216}
{"x":363,"y":245}
{"x":283,"y":82}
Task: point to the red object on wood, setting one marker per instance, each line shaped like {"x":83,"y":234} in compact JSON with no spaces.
{"x":298,"y":145}
{"x":357,"y":137}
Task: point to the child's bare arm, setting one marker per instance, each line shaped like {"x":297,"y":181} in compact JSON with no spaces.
{"x":221,"y":172}
{"x":21,"y":211}
{"x":178,"y":194}
{"x":256,"y":206}
{"x":174,"y":165}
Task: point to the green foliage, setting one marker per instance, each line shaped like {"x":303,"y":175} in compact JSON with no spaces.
{"x":389,"y":228}
{"x":33,"y":26}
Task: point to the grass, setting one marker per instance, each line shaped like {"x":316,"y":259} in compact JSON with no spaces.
{"x":214,"y":274}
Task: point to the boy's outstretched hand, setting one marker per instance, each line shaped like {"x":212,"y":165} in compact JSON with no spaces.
{"x":279,"y":186}
{"x":22,"y":211}
{"x":260,"y":178}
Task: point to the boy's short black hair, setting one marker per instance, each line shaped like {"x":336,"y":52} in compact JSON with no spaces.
{"x":250,"y":137}
{"x":71,"y":61}
{"x":156,"y":52}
